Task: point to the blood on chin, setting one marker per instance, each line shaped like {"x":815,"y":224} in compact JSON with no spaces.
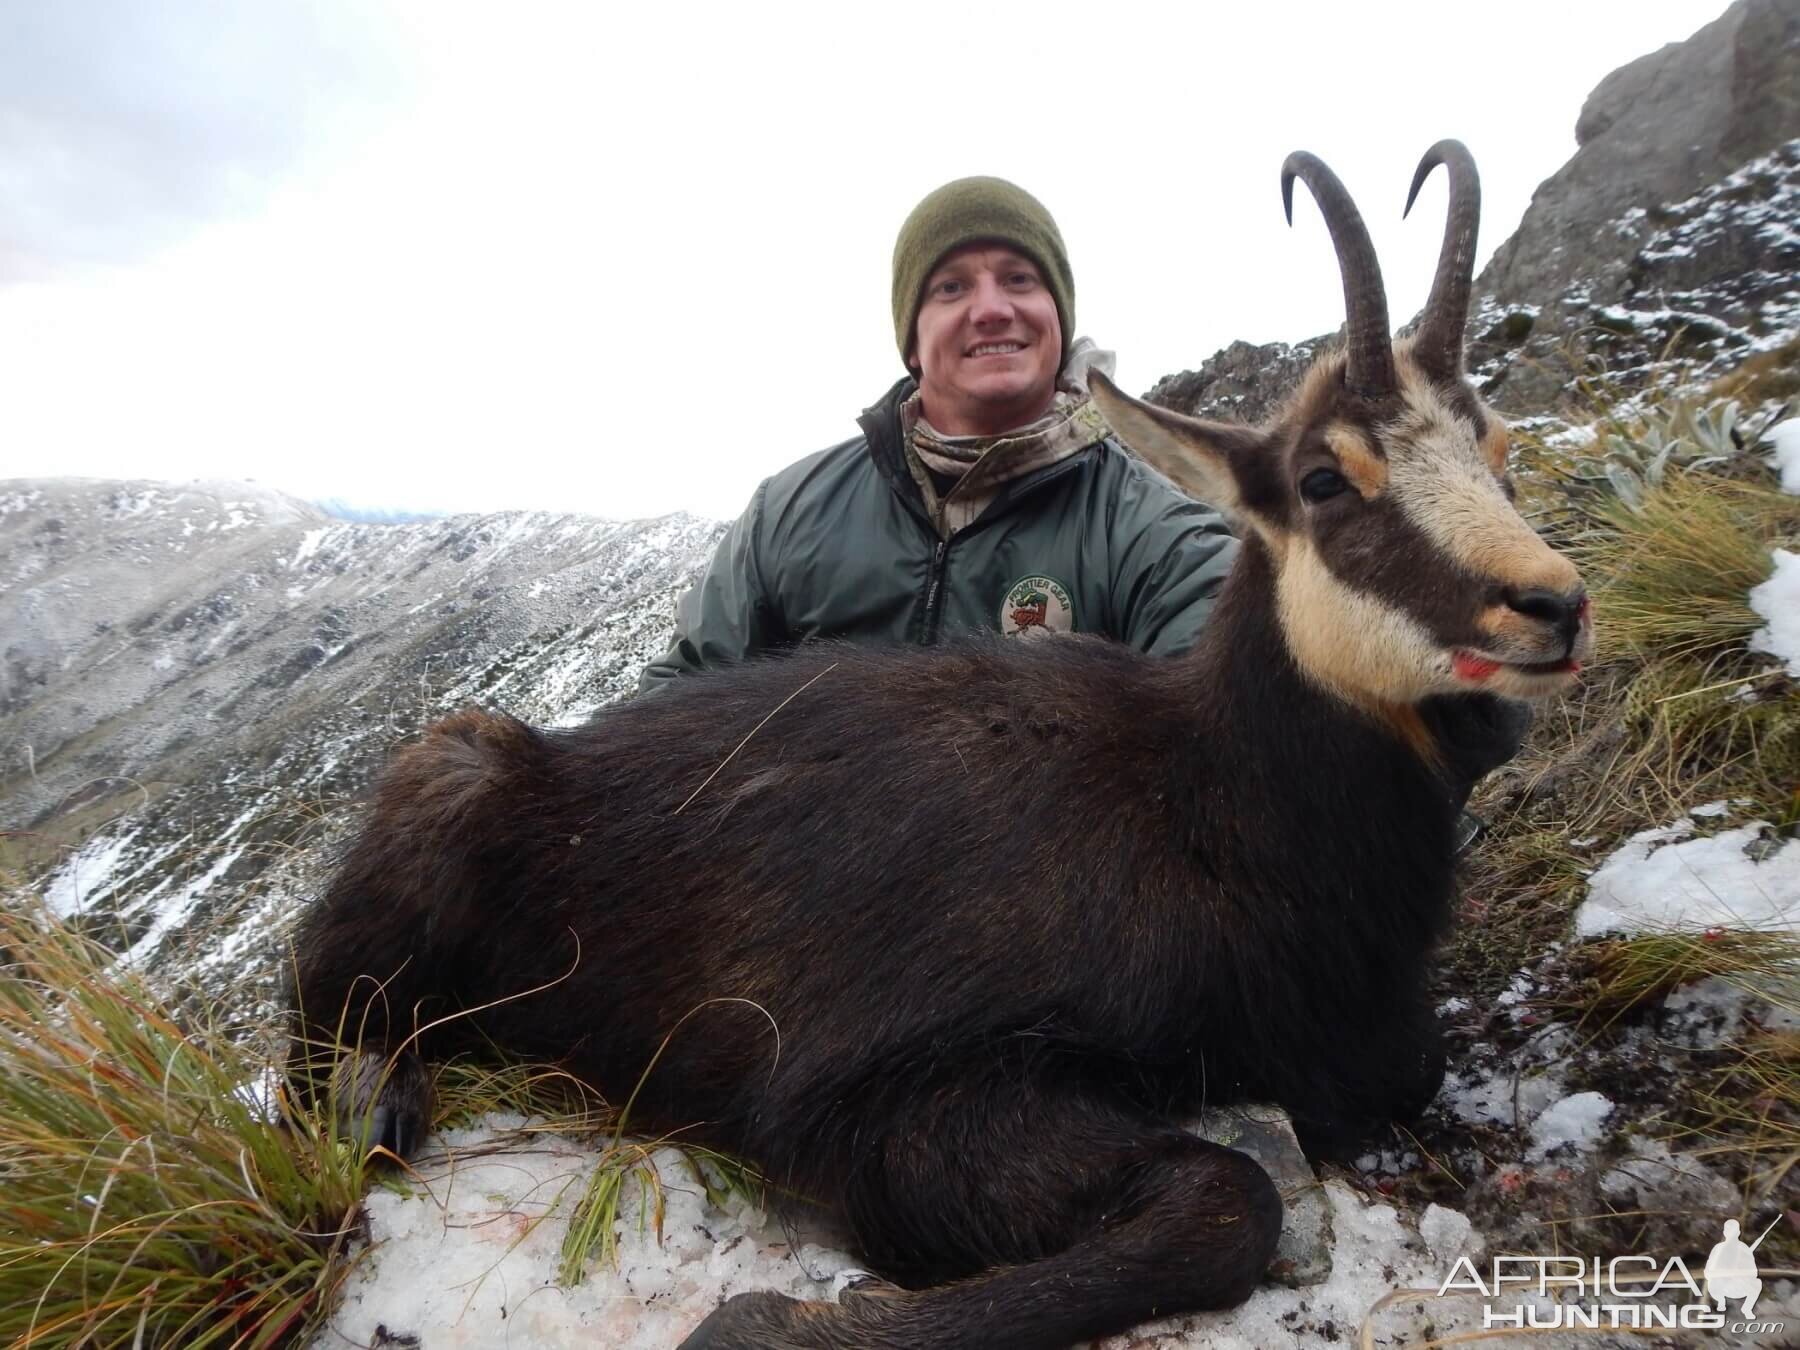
{"x":1482,"y":669}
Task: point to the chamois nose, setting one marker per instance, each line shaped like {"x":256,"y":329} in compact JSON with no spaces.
{"x":1563,"y":611}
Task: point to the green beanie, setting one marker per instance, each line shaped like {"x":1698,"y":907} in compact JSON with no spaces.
{"x":963,"y":212}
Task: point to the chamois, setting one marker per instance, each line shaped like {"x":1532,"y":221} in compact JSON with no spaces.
{"x":952,"y":940}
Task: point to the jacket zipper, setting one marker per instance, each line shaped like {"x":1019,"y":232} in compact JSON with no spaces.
{"x":933,"y":593}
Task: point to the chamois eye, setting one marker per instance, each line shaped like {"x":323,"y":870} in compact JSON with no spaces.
{"x":1321,"y":484}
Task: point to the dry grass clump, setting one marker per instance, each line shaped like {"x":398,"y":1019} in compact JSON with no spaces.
{"x":158,"y":1186}
{"x":1617,"y":976}
{"x":145,"y":1197}
{"x":1671,"y":578}
{"x":1764,"y":378}
{"x":1752,"y":1106}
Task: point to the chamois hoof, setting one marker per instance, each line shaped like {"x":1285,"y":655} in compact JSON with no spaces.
{"x":381,"y":1102}
{"x":759,"y":1321}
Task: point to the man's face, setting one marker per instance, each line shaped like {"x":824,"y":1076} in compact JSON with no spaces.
{"x":988,"y":342}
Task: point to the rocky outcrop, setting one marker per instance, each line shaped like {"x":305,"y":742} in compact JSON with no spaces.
{"x":1658,"y":130}
{"x":1672,"y":234}
{"x":1242,"y":383}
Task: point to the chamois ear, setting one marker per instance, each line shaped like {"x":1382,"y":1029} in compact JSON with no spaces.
{"x":1194,"y":455}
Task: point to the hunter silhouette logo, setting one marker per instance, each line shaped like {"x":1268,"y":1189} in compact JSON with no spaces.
{"x":1037,"y":605}
{"x":1731,"y":1269}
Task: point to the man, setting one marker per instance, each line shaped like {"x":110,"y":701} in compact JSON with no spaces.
{"x":985,"y":493}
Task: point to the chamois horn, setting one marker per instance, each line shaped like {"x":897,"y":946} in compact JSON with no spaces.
{"x":1370,"y":368}
{"x":1439,"y":343}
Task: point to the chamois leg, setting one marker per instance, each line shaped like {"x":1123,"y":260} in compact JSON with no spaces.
{"x":361,"y":982}
{"x":376,"y":958}
{"x":1399,"y":1062}
{"x":380,"y":1090}
{"x":1053,"y":1223}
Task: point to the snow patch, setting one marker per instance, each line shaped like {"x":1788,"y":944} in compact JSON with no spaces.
{"x":1778,"y":601}
{"x":87,"y":873}
{"x":1662,"y":879}
{"x":464,"y":1255}
{"x":1784,"y":458}
{"x":1574,"y":1125}
{"x":1448,"y":1234}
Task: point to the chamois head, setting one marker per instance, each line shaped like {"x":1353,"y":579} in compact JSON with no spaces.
{"x":1381,"y":492}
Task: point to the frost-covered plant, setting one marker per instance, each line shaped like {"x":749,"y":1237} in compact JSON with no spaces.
{"x":1636,"y":459}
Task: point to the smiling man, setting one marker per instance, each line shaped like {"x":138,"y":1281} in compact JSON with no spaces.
{"x":985,"y":493}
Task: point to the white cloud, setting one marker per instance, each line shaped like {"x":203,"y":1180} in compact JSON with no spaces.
{"x":625,"y":260}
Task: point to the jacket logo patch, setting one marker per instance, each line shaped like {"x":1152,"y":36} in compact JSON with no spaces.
{"x":1037,"y":605}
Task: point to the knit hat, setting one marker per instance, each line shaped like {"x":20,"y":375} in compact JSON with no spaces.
{"x":963,"y":212}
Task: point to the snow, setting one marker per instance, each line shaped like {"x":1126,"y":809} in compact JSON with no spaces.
{"x":1502,"y":1098}
{"x":1574,"y":1125}
{"x":309,"y":545}
{"x":1663,"y":879}
{"x":469,"y":1258}
{"x":463,"y":1254}
{"x":1778,"y":601}
{"x":87,"y":873}
{"x":1448,"y":1234}
{"x":1786,"y":454}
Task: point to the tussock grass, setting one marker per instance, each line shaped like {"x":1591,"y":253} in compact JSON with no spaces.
{"x":158,"y":1188}
{"x":145,"y":1199}
{"x":1674,"y":712}
{"x":1752,"y":1106}
{"x":1620,"y":975}
{"x":1670,"y":579}
{"x":1764,"y":378}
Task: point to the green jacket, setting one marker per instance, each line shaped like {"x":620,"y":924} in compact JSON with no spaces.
{"x":839,"y":545}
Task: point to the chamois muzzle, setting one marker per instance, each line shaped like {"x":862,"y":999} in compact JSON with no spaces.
{"x":1562,"y":612}
{"x":1369,"y":367}
{"x":1438,"y":345}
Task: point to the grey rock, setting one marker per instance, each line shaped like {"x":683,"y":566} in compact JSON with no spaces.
{"x":1671,"y":235}
{"x":1303,"y":1256}
{"x":1654,"y":131}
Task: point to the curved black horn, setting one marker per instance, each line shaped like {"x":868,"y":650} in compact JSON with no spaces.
{"x":1370,"y":367}
{"x":1439,"y":344}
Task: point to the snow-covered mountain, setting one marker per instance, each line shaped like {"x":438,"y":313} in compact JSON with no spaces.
{"x":194,"y":676}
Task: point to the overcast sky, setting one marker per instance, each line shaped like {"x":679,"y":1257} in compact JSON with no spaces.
{"x":630,"y":259}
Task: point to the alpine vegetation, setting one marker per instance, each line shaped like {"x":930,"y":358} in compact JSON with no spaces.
{"x":977,"y":1055}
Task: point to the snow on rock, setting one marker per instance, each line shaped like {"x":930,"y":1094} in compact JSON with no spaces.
{"x":1778,"y":601}
{"x":1663,"y":879}
{"x":1655,"y":1180}
{"x":1572,"y":1126}
{"x":1448,"y":1234}
{"x":472,"y":1263}
{"x":1503,"y":1098}
{"x":1785,"y":457}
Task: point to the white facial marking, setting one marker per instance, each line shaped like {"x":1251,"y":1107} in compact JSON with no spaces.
{"x":1447,"y":489}
{"x":1352,"y":642}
